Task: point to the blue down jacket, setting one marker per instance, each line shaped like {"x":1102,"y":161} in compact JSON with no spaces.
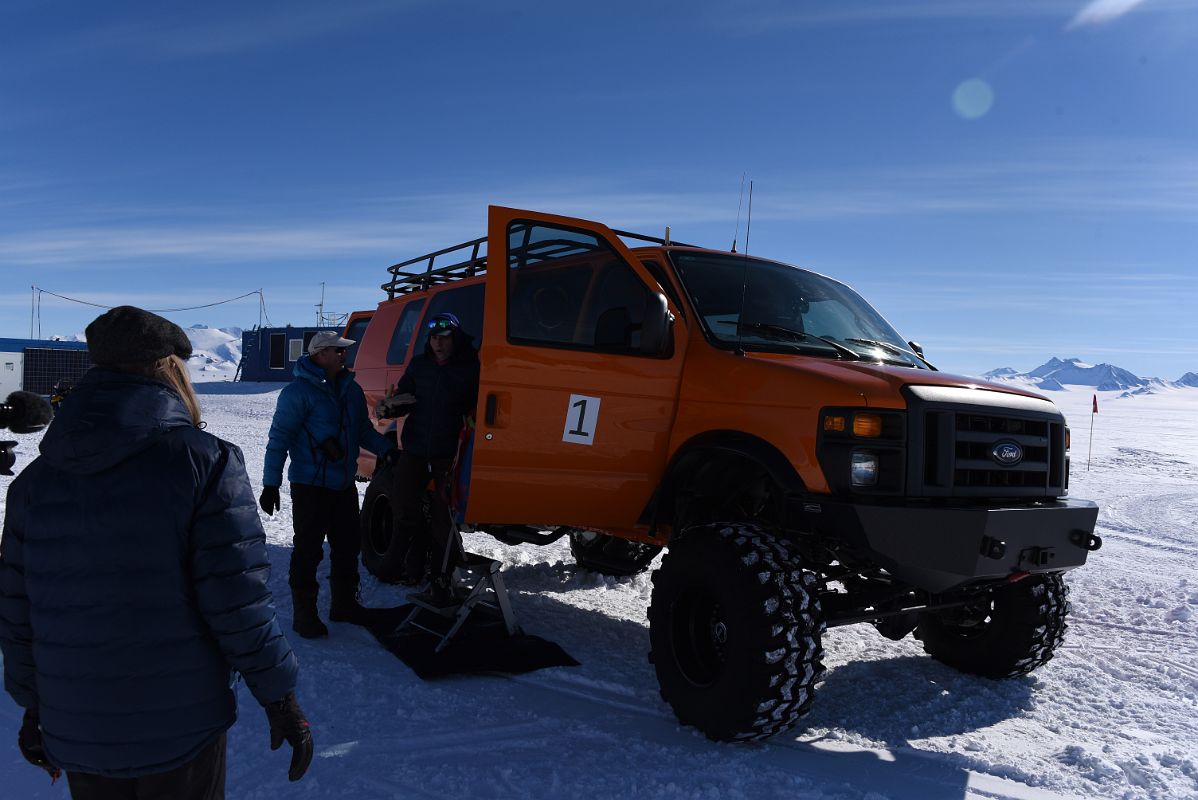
{"x":310,"y":410}
{"x":133,"y":582}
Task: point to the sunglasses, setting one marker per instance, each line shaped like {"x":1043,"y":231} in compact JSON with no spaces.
{"x":441,"y":325}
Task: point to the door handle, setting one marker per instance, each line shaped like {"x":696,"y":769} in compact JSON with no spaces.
{"x":492,"y":405}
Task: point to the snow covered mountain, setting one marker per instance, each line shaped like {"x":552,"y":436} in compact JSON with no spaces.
{"x":216,"y":352}
{"x":1053,"y":375}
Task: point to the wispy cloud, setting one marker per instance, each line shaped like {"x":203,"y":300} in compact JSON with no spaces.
{"x":1100,"y":177}
{"x":763,"y":16}
{"x":180,"y":36}
{"x":1100,"y":12}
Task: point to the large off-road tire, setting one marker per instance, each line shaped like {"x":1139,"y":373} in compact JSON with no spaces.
{"x":1010,"y":631}
{"x":611,"y":555}
{"x":384,"y":546}
{"x":735,"y":628}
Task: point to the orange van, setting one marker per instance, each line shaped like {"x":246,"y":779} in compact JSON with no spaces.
{"x":802,"y":463}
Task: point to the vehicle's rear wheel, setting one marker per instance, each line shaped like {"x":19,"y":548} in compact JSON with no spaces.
{"x":610,"y":555}
{"x":735,"y":628}
{"x":384,"y":546}
{"x":1006,"y":632}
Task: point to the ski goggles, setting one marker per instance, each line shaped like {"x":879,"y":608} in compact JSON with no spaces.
{"x":443,"y":323}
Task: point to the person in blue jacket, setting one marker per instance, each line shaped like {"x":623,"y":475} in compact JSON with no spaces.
{"x":133,"y":583}
{"x":321,"y":422}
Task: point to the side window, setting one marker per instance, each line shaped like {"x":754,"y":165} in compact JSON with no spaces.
{"x":356,"y":330}
{"x":307,"y":340}
{"x":464,"y":302}
{"x":398,"y":348}
{"x":569,"y":288}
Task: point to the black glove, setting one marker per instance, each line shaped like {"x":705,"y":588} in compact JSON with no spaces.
{"x":269,"y":499}
{"x":29,"y":740}
{"x":287,"y":722}
{"x":391,"y":457}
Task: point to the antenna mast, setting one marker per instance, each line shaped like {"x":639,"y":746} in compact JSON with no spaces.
{"x":744,"y":275}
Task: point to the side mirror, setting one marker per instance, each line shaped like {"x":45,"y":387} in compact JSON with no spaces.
{"x":656,"y":329}
{"x":916,"y":348}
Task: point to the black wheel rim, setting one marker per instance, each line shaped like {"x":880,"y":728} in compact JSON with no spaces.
{"x":381,"y":522}
{"x":699,"y":637}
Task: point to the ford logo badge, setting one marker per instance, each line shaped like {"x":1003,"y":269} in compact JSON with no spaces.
{"x":1008,"y":454}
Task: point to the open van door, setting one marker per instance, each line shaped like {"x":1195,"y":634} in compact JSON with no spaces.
{"x":581,"y":365}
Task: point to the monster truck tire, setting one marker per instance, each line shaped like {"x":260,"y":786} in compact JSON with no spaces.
{"x":1010,"y":632}
{"x":735,"y":627}
{"x":610,"y":555}
{"x":384,"y":546}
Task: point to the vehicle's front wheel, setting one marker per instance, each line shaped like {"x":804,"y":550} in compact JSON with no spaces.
{"x":611,"y":555}
{"x":384,"y":547}
{"x":1006,"y":632}
{"x":735,"y":628}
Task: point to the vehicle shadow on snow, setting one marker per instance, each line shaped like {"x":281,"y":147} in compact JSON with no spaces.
{"x":890,"y":701}
{"x":613,"y":694}
{"x":895,"y":700}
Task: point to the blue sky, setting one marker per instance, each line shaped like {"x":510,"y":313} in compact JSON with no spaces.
{"x":1005,"y":180}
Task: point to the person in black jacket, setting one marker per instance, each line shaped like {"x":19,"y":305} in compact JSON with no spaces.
{"x":437,"y":392}
{"x":133,"y":583}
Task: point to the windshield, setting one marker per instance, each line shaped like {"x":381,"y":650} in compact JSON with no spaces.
{"x":785,"y":309}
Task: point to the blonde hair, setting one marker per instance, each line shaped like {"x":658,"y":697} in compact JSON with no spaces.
{"x":172,"y":371}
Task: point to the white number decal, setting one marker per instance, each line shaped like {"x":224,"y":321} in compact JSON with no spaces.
{"x":581,"y":416}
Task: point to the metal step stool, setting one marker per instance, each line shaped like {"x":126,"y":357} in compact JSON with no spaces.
{"x":476,"y":585}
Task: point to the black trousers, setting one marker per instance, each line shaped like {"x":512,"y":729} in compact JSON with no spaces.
{"x":202,"y":778}
{"x":435,"y":537}
{"x":317,"y":513}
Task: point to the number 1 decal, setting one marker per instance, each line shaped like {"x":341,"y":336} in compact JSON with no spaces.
{"x":582,"y":414}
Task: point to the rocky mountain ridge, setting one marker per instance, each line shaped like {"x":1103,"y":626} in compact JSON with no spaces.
{"x":1056,"y":373}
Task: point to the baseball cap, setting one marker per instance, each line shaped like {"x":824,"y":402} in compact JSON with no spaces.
{"x":325,"y":339}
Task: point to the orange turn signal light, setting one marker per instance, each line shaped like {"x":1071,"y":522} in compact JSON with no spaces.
{"x":834,"y":424}
{"x":1067,"y":438}
{"x":867,"y":425}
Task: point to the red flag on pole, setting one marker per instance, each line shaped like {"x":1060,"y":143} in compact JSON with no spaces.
{"x":1095,"y":404}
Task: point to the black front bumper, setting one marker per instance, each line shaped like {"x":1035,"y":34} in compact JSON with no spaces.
{"x":939,"y":548}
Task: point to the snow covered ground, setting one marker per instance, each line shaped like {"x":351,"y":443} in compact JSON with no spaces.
{"x":1115,"y":714}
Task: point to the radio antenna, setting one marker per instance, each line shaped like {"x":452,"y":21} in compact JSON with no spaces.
{"x":739,"y":200}
{"x":744,"y":275}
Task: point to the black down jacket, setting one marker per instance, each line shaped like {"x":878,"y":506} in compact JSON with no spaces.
{"x":133,"y":583}
{"x":445,"y":393}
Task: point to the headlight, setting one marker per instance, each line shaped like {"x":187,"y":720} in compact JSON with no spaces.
{"x":864,"y":468}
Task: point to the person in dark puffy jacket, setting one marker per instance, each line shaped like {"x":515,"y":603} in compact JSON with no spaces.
{"x":133,"y":583}
{"x":321,"y":422}
{"x":437,"y":392}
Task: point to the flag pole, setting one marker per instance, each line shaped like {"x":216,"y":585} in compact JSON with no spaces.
{"x":1093,"y":414}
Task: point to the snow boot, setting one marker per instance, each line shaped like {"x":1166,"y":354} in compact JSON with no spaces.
{"x":305,"y":621}
{"x":346,"y":606}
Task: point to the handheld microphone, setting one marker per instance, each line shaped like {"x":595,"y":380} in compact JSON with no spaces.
{"x":25,"y":412}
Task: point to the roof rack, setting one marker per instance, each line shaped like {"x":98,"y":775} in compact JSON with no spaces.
{"x":405,"y":281}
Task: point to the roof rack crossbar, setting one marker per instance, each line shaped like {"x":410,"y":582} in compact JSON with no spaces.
{"x":404,"y":281}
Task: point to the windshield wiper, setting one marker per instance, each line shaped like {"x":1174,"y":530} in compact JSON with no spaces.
{"x":782,"y":330}
{"x":893,"y":348}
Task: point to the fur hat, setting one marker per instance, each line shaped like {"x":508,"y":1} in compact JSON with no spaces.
{"x":128,"y":335}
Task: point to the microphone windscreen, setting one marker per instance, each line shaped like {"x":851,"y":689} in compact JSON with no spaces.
{"x":29,"y":412}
